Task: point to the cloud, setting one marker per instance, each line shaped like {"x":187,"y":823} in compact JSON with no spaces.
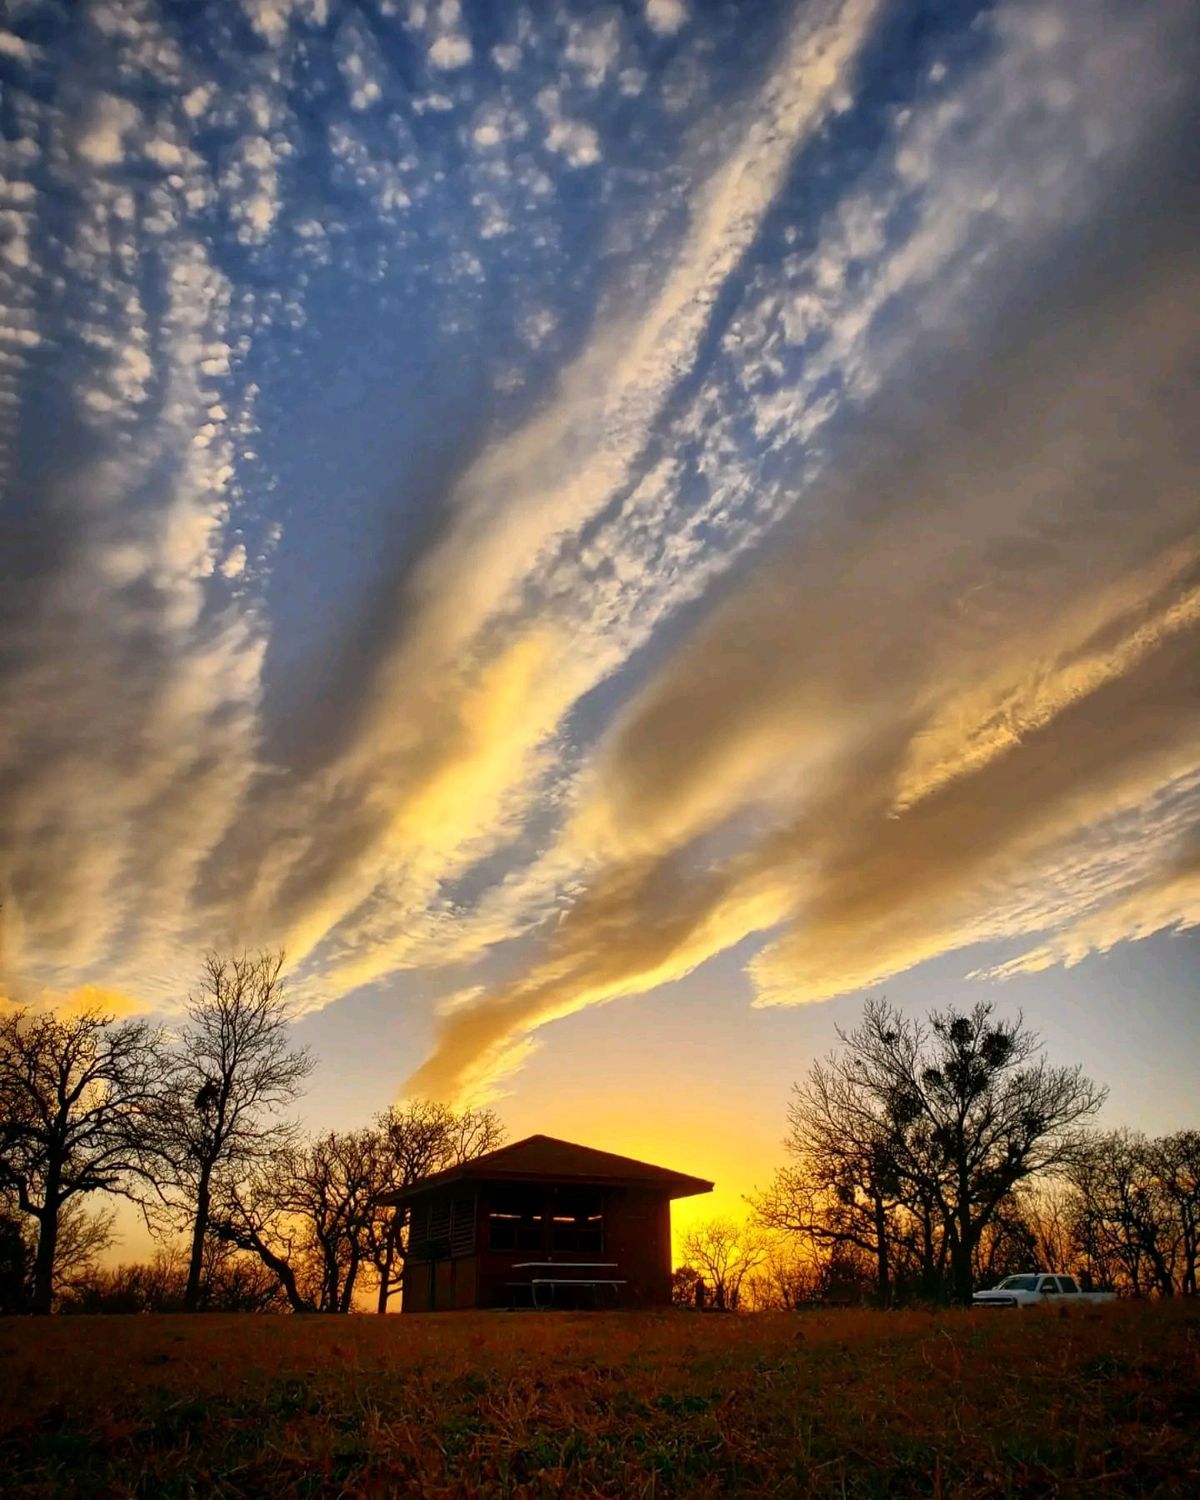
{"x":574,"y":140}
{"x":450,"y":51}
{"x":1158,"y":890}
{"x":666,"y":16}
{"x":756,"y":284}
{"x":15,"y":46}
{"x":89,"y":999}
{"x":593,"y":48}
{"x":131,"y":696}
{"x":511,"y":510}
{"x":103,"y":132}
{"x":272,"y":19}
{"x":360,"y":63}
{"x":252,"y":181}
{"x":234,"y":564}
{"x":916,"y":726}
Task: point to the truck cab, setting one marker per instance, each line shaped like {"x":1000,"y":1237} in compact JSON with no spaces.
{"x":1034,"y":1287}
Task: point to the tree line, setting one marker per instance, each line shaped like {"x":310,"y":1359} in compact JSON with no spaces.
{"x":929,"y":1158}
{"x":193,"y":1128}
{"x":924,"y":1159}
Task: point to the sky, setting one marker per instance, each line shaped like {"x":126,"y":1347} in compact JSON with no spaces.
{"x":608,"y":532}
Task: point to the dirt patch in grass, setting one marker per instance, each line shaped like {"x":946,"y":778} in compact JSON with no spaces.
{"x":1095,"y":1402}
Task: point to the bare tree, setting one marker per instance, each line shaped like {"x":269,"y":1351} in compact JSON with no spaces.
{"x":1049,"y":1211}
{"x":909,"y":1140}
{"x":1176,"y":1164}
{"x":330,"y":1186}
{"x":311,"y":1210}
{"x":787,"y":1280}
{"x":975,"y":1110}
{"x":255,"y":1213}
{"x":305,"y":1212}
{"x":1125,"y":1218}
{"x":724,"y":1254}
{"x":233,"y":1072}
{"x":234,"y":1282}
{"x":83,"y":1237}
{"x":346,"y":1171}
{"x":843,"y":1189}
{"x":1007,"y":1244}
{"x":77,"y":1094}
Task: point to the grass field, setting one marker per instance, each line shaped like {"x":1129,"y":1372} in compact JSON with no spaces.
{"x":1098,"y":1402}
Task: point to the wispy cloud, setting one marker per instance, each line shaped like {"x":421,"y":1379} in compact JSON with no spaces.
{"x":700,"y":298}
{"x":915,"y":729}
{"x":447,"y":754}
{"x":1004,"y":609}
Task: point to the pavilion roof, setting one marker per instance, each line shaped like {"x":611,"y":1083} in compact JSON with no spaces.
{"x":545,"y":1158}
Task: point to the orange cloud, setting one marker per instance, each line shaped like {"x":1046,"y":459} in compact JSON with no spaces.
{"x":87,"y":999}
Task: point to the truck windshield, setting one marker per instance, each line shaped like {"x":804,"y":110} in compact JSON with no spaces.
{"x":1018,"y":1284}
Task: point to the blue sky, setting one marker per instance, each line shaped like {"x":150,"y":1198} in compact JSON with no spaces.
{"x":683,"y":505}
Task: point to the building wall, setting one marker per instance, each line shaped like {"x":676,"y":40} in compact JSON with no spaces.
{"x":637,"y":1236}
{"x":440,"y":1286}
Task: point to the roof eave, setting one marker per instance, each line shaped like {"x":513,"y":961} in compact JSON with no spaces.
{"x":673,"y":1186}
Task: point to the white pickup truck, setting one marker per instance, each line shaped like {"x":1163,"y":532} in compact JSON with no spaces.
{"x":1035,"y":1288}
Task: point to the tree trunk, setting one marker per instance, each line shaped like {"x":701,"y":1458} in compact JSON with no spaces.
{"x":962,"y":1252}
{"x":191,"y":1295}
{"x":329,"y":1279}
{"x":276,"y":1263}
{"x":287,"y":1281}
{"x":1162,"y":1273}
{"x":385,"y":1271}
{"x":883,"y":1268}
{"x":347,"y":1297}
{"x":43,"y":1264}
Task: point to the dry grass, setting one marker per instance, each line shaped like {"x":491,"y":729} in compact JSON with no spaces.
{"x":1098,"y":1402}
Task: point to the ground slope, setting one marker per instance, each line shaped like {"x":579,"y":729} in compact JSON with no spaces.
{"x":1098,"y":1402}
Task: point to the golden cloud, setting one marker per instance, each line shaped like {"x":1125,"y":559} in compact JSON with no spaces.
{"x":913,"y":728}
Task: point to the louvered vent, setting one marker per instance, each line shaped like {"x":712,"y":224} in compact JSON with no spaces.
{"x":418,"y":1229}
{"x":439,"y":1227}
{"x":462,"y":1226}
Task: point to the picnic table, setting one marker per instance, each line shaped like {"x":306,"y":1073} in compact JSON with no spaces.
{"x":550,"y":1274}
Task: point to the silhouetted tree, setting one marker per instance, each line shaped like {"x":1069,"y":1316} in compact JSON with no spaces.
{"x":818,"y":1274}
{"x":16,"y":1262}
{"x":843,"y":1187}
{"x":77,"y":1094}
{"x":310,"y":1210}
{"x":256,"y":1213}
{"x":345,"y":1172}
{"x":233,"y":1070}
{"x":684,"y":1283}
{"x":1176,"y":1165}
{"x":233,"y":1282}
{"x":724,"y":1254}
{"x":83,"y":1237}
{"x":327,"y":1188}
{"x":1007,"y":1244}
{"x":1126,"y":1223}
{"x":1048,"y":1210}
{"x":909,"y":1139}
